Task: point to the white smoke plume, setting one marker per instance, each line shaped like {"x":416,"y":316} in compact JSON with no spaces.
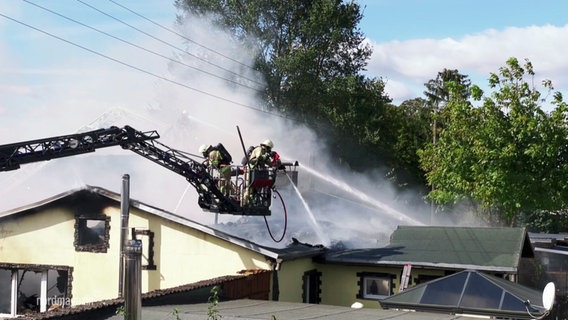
{"x":189,"y":107}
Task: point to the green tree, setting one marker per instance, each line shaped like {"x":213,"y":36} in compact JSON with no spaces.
{"x":311,"y":54}
{"x":508,"y":155}
{"x":409,"y":131}
{"x":302,"y":45}
{"x":438,"y":92}
{"x":354,"y":121}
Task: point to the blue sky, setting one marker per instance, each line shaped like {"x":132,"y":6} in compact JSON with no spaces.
{"x":412,"y":40}
{"x":51,"y":87}
{"x":389,"y":20}
{"x":57,"y":54}
{"x":415,"y":39}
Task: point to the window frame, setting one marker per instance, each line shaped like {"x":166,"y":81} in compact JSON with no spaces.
{"x":150,"y":247}
{"x":311,"y":287}
{"x":424,"y":278}
{"x":364,"y":277}
{"x":43,"y":299}
{"x":80,"y":221}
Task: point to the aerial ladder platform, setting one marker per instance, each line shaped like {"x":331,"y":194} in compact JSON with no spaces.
{"x":204,"y":180}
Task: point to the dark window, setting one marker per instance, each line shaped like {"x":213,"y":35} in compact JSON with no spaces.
{"x":57,"y":283}
{"x":92,"y":233}
{"x":311,"y":283}
{"x":29,"y":291}
{"x":5,"y":291}
{"x":375,"y":286}
{"x":423,"y":278}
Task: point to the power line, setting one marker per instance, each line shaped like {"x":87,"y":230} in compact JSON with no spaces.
{"x":169,"y":44}
{"x":182,"y":36}
{"x":139,"y":69}
{"x":139,"y":47}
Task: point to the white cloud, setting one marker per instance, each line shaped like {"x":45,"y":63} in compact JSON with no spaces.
{"x":414,"y":62}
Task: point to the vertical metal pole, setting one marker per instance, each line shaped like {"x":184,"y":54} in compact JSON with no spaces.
{"x":43,"y":292}
{"x":133,"y":283}
{"x":14,"y":294}
{"x":243,"y":145}
{"x":124,"y":209}
{"x":434,"y":132}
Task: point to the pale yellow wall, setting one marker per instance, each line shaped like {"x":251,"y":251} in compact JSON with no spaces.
{"x":47,"y":238}
{"x":340,"y":283}
{"x":290,"y":278}
{"x":182,"y":255}
{"x":43,"y":238}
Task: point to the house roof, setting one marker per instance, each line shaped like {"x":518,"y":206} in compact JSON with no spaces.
{"x":250,"y":309}
{"x":262,"y":309}
{"x":432,"y":300}
{"x":293,"y":251}
{"x":471,"y":292}
{"x":146,"y":298}
{"x":487,"y":249}
{"x":297,"y":249}
{"x":549,"y":240}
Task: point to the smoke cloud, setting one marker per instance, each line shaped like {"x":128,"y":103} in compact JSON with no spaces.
{"x":198,"y":97}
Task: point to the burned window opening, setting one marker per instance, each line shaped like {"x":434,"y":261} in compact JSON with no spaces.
{"x":29,"y":287}
{"x":92,"y":233}
{"x":26,"y":288}
{"x":148,"y":248}
{"x":311,"y":287}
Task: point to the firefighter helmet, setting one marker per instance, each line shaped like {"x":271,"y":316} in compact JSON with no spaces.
{"x":268,"y":143}
{"x":204,"y":148}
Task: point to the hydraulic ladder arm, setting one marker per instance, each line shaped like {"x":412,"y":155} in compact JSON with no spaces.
{"x":143,"y":143}
{"x":15,"y":154}
{"x":210,"y":197}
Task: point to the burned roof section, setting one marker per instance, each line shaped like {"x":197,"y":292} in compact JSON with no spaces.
{"x":446,"y":247}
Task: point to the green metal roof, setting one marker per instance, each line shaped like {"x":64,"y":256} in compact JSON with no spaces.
{"x":479,"y":248}
{"x":470,"y":292}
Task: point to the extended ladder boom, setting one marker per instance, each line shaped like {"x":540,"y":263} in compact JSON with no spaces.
{"x":210,"y":197}
{"x":15,"y":154}
{"x":143,"y":143}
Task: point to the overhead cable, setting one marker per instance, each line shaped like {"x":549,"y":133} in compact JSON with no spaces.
{"x":182,"y":36}
{"x":139,"y":47}
{"x":169,"y":44}
{"x":139,"y":69}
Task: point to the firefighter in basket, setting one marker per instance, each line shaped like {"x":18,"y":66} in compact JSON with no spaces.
{"x":260,"y":158}
{"x":219,"y":159}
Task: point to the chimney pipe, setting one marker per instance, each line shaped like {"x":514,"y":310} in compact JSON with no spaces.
{"x":124,"y":209}
{"x":133,"y":283}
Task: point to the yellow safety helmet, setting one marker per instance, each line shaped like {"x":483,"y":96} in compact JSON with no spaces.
{"x":268,"y":143}
{"x":204,"y":148}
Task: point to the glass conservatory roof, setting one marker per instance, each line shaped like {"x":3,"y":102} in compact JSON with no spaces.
{"x":470,"y":292}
